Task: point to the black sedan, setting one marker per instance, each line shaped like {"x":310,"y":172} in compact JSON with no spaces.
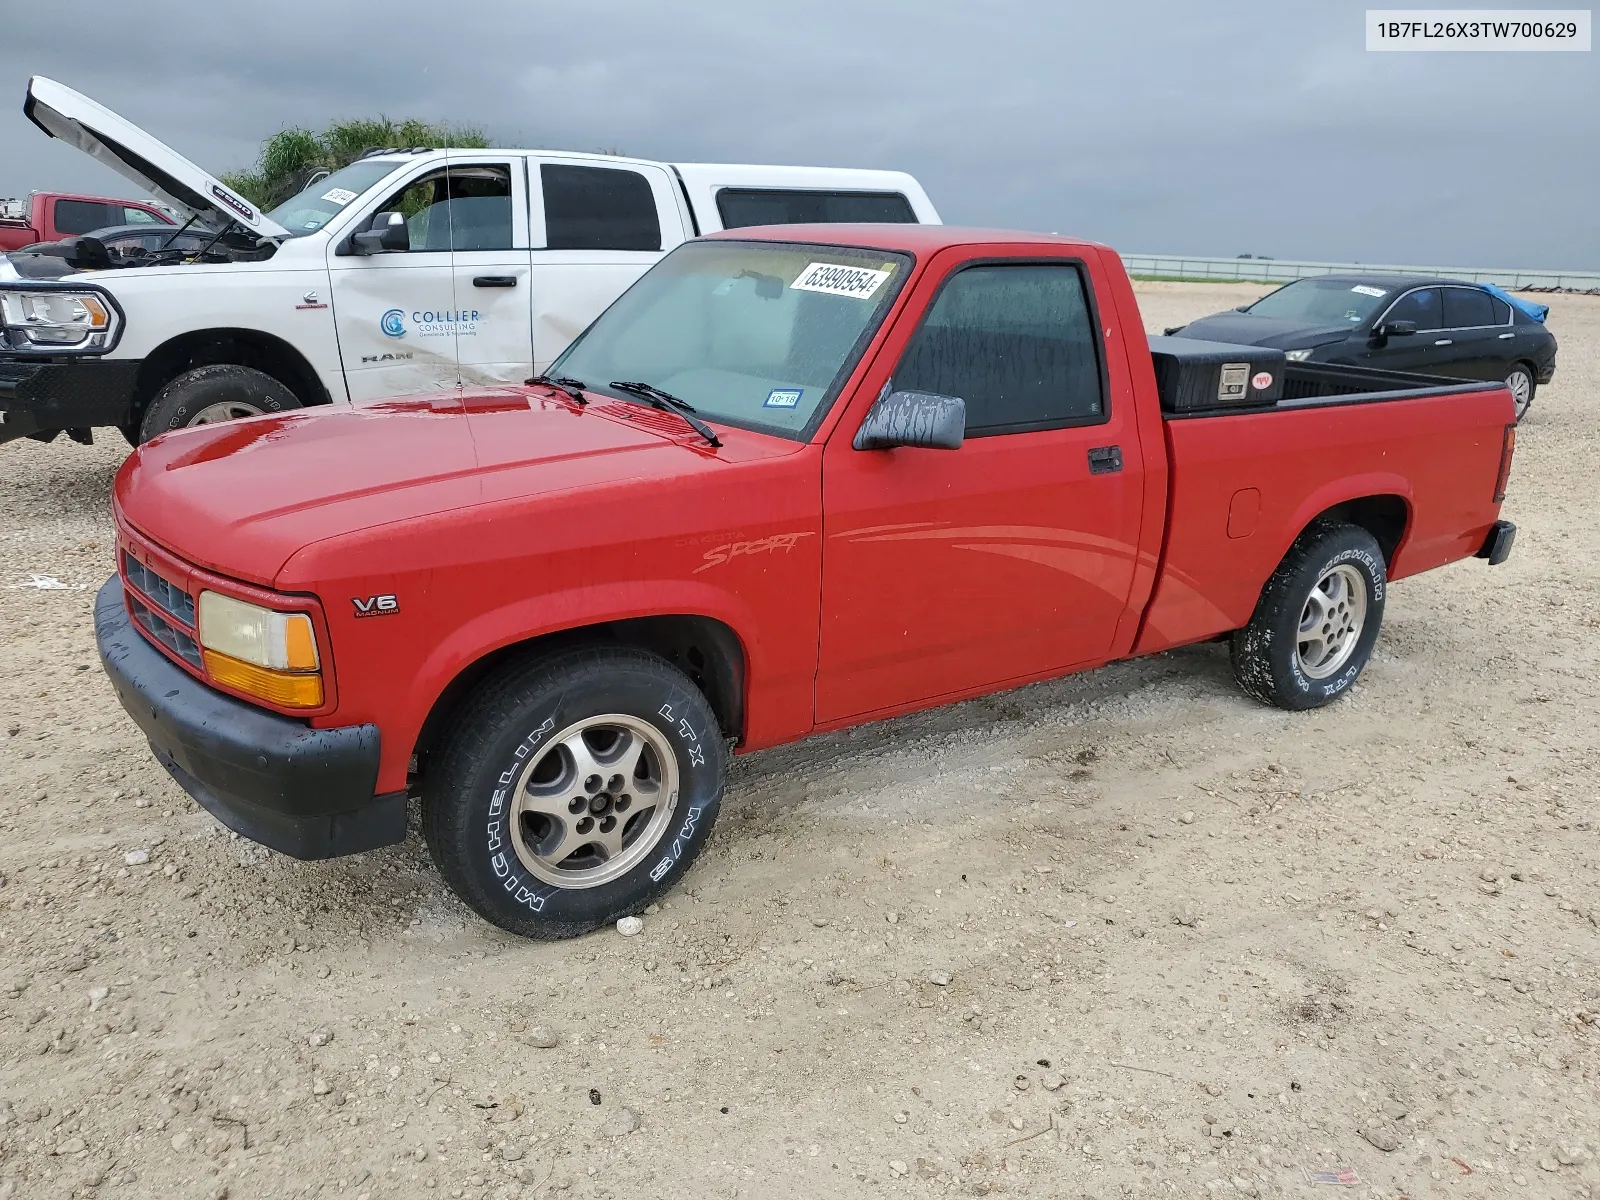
{"x":1399,"y":323}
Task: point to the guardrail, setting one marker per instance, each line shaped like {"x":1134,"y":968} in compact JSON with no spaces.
{"x":1280,"y":270}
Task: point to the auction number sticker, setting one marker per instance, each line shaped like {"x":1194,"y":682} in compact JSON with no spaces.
{"x":1364,"y":290}
{"x":835,"y":280}
{"x":339,"y":196}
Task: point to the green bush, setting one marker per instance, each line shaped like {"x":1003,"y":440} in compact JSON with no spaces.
{"x":290,"y":157}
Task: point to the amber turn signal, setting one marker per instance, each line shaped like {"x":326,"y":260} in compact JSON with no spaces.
{"x":286,"y":689}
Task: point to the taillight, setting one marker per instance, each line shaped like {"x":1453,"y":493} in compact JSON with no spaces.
{"x":1508,"y":447}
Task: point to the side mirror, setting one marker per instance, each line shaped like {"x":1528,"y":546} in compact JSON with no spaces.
{"x":387,"y":232}
{"x":1396,"y":329}
{"x":919,"y":419}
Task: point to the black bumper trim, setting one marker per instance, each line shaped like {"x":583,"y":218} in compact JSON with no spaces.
{"x":84,"y":393}
{"x":1497,"y":546}
{"x":304,"y":792}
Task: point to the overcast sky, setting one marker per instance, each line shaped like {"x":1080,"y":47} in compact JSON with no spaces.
{"x":1172,"y":127}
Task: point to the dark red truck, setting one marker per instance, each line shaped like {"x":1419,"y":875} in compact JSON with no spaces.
{"x":54,"y":216}
{"x":921,"y":464}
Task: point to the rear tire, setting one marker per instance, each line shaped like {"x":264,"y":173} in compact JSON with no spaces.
{"x":1317,"y":620}
{"x":220,"y":392}
{"x":574,"y":791}
{"x":1522,"y":384}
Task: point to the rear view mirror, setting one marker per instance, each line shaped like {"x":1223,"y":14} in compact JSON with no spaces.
{"x":1397,"y":329}
{"x":918,"y":419}
{"x":387,"y":232}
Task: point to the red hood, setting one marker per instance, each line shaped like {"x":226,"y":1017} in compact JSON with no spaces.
{"x":240,"y":498}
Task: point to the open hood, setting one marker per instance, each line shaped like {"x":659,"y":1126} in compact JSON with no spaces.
{"x":134,"y":154}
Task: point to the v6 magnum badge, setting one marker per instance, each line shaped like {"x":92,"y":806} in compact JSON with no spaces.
{"x":376,"y":606}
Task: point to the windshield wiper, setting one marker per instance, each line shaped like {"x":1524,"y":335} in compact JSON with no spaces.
{"x":667,"y":402}
{"x":573,"y":388}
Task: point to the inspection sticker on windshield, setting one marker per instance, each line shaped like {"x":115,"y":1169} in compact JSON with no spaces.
{"x":835,"y":280}
{"x":1368,"y":291}
{"x":339,"y":196}
{"x":783,"y":397}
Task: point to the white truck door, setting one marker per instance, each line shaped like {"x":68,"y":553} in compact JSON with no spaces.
{"x":395,"y":309}
{"x":596,"y":228}
{"x":489,"y":238}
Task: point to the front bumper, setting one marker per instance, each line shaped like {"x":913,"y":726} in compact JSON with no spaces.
{"x":1497,"y":545}
{"x":304,"y":792}
{"x":80,"y":393}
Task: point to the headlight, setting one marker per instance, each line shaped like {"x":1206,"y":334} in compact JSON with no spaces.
{"x":1297,"y":355}
{"x":269,"y":654}
{"x":57,"y":320}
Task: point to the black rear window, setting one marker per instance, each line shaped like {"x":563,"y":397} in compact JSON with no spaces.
{"x":1465,"y":308}
{"x":598,"y":208}
{"x":85,"y":216}
{"x":743,"y":207}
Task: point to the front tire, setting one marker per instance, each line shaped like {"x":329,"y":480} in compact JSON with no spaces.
{"x":573,"y":792}
{"x":220,"y":392}
{"x":1521,"y":383}
{"x":1317,"y":620}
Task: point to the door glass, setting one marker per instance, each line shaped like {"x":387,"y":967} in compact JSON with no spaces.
{"x":1421,"y":306}
{"x":1466,"y":308}
{"x":598,"y":208}
{"x":140,"y":216}
{"x":85,"y":216}
{"x":479,"y":207}
{"x":1016,"y":343}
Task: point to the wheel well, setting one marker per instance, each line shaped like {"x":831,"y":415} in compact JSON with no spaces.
{"x":1384,"y":517}
{"x":240,"y":347}
{"x":705,"y":650}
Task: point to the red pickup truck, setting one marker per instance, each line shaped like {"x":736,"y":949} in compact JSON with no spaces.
{"x":54,"y":216}
{"x":921,"y":464}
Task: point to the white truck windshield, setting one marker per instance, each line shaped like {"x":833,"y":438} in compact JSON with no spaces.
{"x":313,"y":208}
{"x":756,"y":334}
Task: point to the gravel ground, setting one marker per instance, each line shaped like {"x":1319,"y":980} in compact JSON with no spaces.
{"x":1123,"y":934}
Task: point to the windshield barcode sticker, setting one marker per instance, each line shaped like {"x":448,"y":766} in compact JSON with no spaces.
{"x":1368,"y":291}
{"x":835,"y":280}
{"x":339,"y":196}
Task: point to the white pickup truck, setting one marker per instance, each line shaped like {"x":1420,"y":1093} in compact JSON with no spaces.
{"x":406,"y":271}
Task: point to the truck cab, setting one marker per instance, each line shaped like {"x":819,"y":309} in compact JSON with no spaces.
{"x":54,"y":216}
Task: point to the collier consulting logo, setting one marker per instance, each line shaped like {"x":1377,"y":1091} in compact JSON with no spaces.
{"x":394,"y":323}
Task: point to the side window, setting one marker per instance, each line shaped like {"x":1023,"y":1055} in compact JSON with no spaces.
{"x":85,"y":216}
{"x":743,"y":207}
{"x":1017,"y":343}
{"x":462,"y":207}
{"x":1502,"y":311}
{"x":1465,"y":308}
{"x":598,"y":208}
{"x":1420,"y":306}
{"x":140,"y":216}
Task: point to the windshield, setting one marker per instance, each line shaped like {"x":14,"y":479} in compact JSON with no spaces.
{"x":323,"y":200}
{"x":755,"y":334}
{"x":1324,"y":301}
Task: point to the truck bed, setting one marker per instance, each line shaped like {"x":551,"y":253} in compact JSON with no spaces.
{"x":1417,"y":455}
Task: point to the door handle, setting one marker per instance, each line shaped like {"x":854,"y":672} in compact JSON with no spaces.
{"x":494,"y":281}
{"x":1444,"y":342}
{"x":1105,"y":460}
{"x":1504,"y":336}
